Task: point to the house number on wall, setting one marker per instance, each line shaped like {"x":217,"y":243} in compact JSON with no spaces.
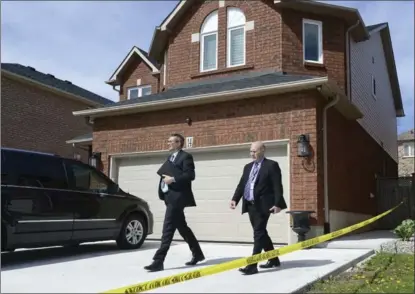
{"x":189,"y":142}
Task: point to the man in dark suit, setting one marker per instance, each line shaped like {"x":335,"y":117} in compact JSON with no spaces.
{"x":262,"y":192}
{"x":176,"y":192}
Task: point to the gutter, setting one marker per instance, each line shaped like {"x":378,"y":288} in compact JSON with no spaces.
{"x":205,"y":98}
{"x":325,"y":167}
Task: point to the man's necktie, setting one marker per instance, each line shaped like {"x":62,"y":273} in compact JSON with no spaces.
{"x":251,"y":179}
{"x":172,"y":158}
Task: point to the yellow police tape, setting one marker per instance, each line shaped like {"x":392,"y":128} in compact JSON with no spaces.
{"x":241,"y":262}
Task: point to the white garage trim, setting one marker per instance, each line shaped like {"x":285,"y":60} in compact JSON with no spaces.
{"x":203,"y":149}
{"x":203,"y":216}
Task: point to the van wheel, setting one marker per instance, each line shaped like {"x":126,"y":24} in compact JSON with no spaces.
{"x":133,"y":232}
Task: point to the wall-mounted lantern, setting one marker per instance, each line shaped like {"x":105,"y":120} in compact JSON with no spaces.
{"x":95,"y":159}
{"x":303,"y":146}
{"x":188,"y":120}
{"x":300,"y":223}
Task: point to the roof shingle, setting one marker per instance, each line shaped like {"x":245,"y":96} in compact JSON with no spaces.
{"x":407,"y":136}
{"x":217,"y":85}
{"x":51,"y":81}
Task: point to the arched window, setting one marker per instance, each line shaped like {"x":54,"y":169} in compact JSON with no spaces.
{"x":209,"y":42}
{"x":236,"y":37}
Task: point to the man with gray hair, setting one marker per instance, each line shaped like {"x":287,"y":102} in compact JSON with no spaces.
{"x":262,"y":192}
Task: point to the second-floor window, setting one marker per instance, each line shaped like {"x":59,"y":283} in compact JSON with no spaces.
{"x":408,"y":149}
{"x":136,"y":92}
{"x":209,"y":43}
{"x":313,"y":41}
{"x":236,"y":37}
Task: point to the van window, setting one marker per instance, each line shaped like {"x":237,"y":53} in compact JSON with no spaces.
{"x":86,"y":178}
{"x":34,"y":170}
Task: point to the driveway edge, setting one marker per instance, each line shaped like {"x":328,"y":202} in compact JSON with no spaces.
{"x":336,"y":271}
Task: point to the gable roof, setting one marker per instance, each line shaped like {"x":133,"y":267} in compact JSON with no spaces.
{"x":350,"y":15}
{"x":407,"y":136}
{"x":151,"y":63}
{"x":48,"y":81}
{"x":383,"y":29}
{"x":235,"y":87}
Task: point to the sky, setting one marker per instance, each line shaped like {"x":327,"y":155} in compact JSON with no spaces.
{"x":85,"y":41}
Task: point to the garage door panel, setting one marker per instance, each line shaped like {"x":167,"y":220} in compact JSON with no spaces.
{"x":217,"y":175}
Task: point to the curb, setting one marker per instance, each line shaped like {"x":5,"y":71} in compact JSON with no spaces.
{"x":336,"y":271}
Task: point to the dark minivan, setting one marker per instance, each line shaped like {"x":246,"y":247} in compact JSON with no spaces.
{"x":48,"y":200}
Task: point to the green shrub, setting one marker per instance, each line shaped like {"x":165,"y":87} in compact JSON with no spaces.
{"x":405,"y":230}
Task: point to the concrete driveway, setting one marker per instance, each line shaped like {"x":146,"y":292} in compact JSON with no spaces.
{"x":99,"y":267}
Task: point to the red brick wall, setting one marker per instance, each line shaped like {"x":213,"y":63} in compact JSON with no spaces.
{"x":39,"y":120}
{"x":275,"y":42}
{"x":138,"y":69}
{"x":333,"y":46}
{"x":262,"y":44}
{"x":267,"y":118}
{"x":354,"y":159}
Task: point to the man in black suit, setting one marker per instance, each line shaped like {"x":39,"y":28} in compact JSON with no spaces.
{"x":177,"y":193}
{"x":262,"y":192}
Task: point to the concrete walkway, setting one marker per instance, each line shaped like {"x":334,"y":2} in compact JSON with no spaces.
{"x":368,"y":240}
{"x":92,"y":269}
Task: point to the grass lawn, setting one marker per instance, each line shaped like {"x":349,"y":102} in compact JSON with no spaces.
{"x":384,"y":273}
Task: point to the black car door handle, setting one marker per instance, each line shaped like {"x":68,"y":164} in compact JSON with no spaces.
{"x":102,"y":195}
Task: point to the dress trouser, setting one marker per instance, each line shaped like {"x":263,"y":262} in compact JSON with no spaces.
{"x":259,"y":221}
{"x":175,"y":219}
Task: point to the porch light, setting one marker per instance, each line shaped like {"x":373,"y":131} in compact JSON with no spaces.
{"x":303,"y":146}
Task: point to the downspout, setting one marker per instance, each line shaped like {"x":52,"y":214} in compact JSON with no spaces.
{"x":325,"y":167}
{"x":348,"y":62}
{"x":113,"y":87}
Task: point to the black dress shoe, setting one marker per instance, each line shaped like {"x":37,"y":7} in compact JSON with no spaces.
{"x":155,"y":266}
{"x":249,"y":270}
{"x":271,"y":264}
{"x":195,"y":259}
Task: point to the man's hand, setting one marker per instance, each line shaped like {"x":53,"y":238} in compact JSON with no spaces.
{"x":275,"y":209}
{"x":167,"y":179}
{"x":232,"y":204}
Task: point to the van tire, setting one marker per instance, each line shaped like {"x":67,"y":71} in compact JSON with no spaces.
{"x":136,"y":226}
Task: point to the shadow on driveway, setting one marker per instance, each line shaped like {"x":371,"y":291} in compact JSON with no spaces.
{"x":284,"y":264}
{"x":51,"y":255}
{"x":298,"y":264}
{"x":207,"y":262}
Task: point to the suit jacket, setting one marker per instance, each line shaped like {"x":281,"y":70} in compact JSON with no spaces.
{"x":268,"y":190}
{"x":180,"y":192}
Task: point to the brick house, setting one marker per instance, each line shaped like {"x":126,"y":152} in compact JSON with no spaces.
{"x":406,"y":151}
{"x":36,"y":112}
{"x":226,"y":73}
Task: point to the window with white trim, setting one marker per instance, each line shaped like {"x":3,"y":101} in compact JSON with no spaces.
{"x":373,"y":87}
{"x":209,"y":43}
{"x":312,"y":41}
{"x":408,"y":149}
{"x":236,"y":37}
{"x":136,"y":92}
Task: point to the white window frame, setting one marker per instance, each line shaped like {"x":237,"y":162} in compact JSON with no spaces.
{"x":411,"y":149}
{"x":140,"y":90}
{"x":228,"y":44}
{"x":320,"y":40}
{"x":373,"y":87}
{"x":203,"y":35}
{"x":202,"y":51}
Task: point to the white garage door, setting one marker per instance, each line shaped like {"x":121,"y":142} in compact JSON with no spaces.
{"x":217,"y":175}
